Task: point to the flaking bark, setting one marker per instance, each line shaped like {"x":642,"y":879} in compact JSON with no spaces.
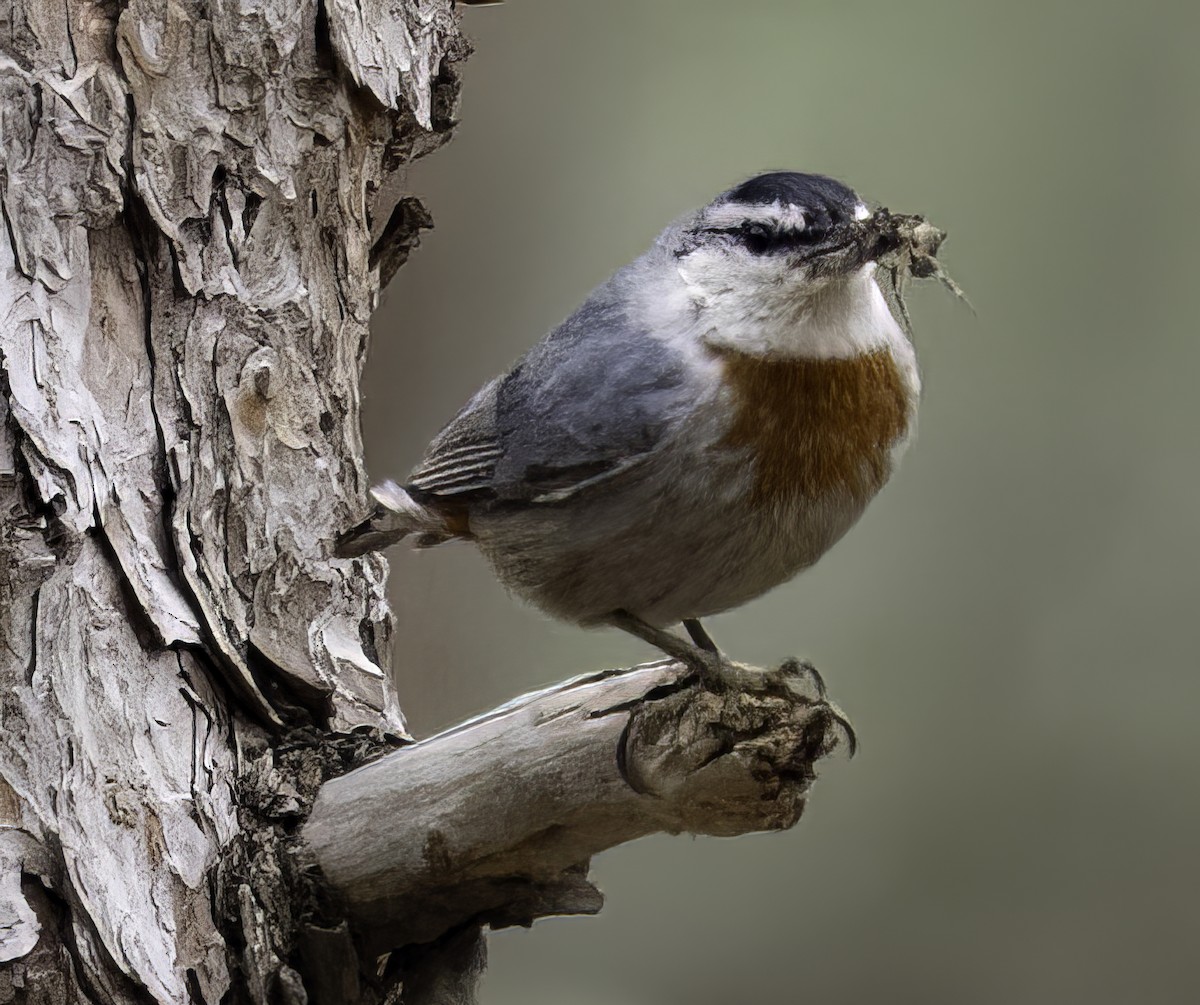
{"x":189,"y":192}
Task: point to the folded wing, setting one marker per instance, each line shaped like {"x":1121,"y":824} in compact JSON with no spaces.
{"x":592,"y":400}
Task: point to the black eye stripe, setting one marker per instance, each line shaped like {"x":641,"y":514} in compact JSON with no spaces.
{"x":761,"y":238}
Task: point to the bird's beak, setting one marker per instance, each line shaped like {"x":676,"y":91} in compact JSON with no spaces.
{"x":852,"y":245}
{"x":875,"y":237}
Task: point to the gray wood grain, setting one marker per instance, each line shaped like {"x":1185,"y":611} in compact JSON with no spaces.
{"x":496,"y":819}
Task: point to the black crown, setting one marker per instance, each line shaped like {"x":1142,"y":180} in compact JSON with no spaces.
{"x":821,"y":196}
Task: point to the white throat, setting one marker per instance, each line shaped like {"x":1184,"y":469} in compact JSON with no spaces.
{"x":842,"y":319}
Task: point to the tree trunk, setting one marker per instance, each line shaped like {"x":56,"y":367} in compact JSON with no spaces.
{"x":199,"y":200}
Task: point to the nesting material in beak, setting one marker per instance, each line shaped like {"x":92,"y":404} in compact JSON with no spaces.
{"x":906,"y":246}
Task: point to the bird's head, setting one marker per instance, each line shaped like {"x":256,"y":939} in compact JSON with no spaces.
{"x":784,"y":264}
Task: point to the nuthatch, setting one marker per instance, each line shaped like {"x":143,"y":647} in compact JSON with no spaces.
{"x":705,"y":426}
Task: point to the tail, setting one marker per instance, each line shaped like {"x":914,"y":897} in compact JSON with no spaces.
{"x":395,"y":516}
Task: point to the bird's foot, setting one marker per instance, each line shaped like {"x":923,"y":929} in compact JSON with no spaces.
{"x":801,"y":673}
{"x":713,"y":670}
{"x":716,"y":673}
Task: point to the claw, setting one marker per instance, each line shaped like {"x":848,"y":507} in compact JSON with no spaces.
{"x":804,"y":670}
{"x":838,"y":716}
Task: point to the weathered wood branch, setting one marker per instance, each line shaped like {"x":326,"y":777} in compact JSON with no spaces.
{"x":494,"y":821}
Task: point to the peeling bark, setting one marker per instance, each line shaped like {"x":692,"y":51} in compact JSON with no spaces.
{"x":186,"y":277}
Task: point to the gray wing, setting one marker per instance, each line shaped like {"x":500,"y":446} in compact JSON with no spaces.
{"x":462,"y":458}
{"x":592,"y":399}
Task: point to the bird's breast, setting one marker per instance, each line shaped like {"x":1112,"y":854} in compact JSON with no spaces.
{"x":817,"y":427}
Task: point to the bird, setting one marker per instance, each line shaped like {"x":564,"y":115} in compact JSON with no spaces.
{"x":706,"y":425}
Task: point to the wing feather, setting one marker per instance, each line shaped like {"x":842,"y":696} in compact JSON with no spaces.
{"x":463,"y":456}
{"x":583,"y":406}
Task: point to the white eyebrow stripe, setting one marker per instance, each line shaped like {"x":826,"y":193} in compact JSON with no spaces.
{"x":732,"y":214}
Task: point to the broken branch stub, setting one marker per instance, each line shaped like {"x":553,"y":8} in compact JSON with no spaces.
{"x":495,"y":819}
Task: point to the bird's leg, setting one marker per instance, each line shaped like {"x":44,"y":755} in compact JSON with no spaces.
{"x":669,"y":643}
{"x":706,"y":661}
{"x":699,"y":635}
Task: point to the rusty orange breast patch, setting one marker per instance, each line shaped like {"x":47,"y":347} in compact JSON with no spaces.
{"x":816,"y":426}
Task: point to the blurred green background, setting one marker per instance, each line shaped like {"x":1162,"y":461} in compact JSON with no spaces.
{"x":1012,"y":627}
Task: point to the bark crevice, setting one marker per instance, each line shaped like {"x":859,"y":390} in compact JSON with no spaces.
{"x":183,"y":333}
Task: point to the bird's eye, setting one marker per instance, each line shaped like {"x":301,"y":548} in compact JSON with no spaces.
{"x":757,"y":238}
